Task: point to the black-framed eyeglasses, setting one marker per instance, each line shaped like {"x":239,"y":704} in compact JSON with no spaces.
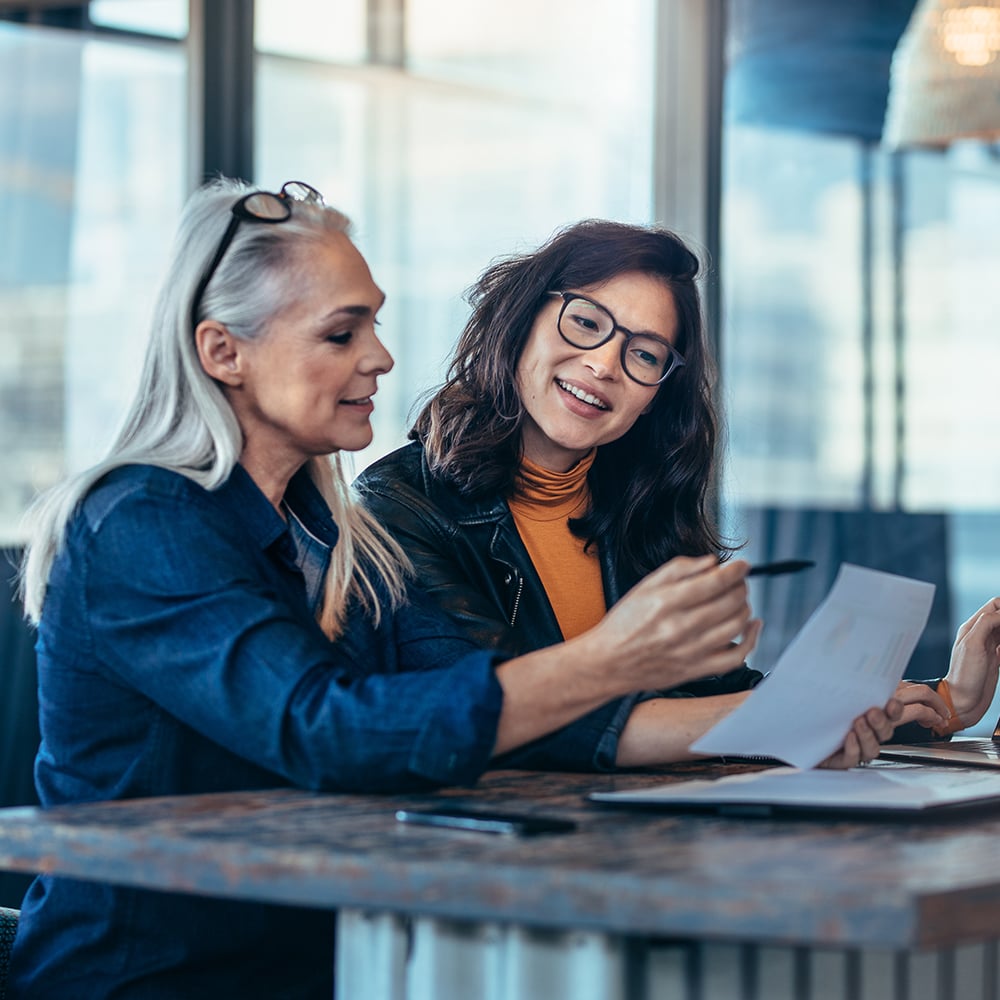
{"x":586,"y":324}
{"x":258,"y":206}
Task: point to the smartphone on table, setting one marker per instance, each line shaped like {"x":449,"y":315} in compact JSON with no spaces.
{"x":486,"y":821}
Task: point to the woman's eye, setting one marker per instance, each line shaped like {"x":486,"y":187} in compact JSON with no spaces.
{"x":340,"y":338}
{"x":649,"y":352}
{"x":646,"y":358}
{"x":584,"y":323}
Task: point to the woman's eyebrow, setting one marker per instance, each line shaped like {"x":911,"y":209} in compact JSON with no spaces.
{"x":354,"y":310}
{"x":349,"y":311}
{"x":644,"y":333}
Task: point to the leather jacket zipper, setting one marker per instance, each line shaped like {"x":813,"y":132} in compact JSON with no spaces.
{"x":517,"y":600}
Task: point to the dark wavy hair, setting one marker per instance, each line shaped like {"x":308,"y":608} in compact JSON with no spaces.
{"x":649,"y":489}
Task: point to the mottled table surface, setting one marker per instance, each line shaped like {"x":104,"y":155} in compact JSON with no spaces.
{"x":810,"y":881}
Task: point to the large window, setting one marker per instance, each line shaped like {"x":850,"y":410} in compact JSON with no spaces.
{"x":92,"y":175}
{"x":483,"y":141}
{"x":450,"y":137}
{"x":857,"y":341}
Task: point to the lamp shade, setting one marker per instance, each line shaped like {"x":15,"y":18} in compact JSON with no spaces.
{"x":944,"y":81}
{"x":812,"y":65}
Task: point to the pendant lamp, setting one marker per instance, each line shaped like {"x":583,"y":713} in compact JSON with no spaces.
{"x":944,"y":82}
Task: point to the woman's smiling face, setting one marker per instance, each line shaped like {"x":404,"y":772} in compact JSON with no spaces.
{"x":576,"y":400}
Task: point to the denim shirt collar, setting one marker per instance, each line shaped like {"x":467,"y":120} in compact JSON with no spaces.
{"x":245,"y":499}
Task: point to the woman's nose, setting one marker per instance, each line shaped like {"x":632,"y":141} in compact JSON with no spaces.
{"x":377,"y":358}
{"x":604,"y":361}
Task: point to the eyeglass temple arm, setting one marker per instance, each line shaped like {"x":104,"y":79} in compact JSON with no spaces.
{"x":227,"y":238}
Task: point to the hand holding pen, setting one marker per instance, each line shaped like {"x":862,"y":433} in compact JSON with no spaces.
{"x":780,"y":568}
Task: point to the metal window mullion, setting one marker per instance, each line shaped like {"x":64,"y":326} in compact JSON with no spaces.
{"x":386,"y":30}
{"x":866,"y":155}
{"x":898,"y":187}
{"x":687,"y":130}
{"x":221,"y":89}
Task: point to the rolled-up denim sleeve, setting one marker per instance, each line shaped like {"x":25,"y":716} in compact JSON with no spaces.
{"x":380,"y":731}
{"x":588,"y":744}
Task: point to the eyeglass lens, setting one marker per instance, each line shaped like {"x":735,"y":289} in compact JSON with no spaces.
{"x":587,"y":325}
{"x":300,"y":191}
{"x":270,"y":207}
{"x":266,"y":206}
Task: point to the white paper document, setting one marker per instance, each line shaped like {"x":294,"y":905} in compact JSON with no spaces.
{"x":849,"y":656}
{"x":878,"y":788}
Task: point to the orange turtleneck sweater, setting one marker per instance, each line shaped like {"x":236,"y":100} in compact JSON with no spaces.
{"x":542,"y":504}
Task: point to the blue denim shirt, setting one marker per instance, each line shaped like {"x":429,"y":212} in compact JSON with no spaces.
{"x":178,"y":653}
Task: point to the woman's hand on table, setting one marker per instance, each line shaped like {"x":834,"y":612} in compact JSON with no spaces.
{"x":921,"y":704}
{"x":867,"y":733}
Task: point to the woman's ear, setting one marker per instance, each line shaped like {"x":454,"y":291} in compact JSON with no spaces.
{"x":218,"y":352}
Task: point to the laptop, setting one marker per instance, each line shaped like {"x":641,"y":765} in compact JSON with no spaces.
{"x":977,"y":751}
{"x":883,"y":790}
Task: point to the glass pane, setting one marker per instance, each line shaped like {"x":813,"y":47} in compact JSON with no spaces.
{"x":96,"y":148}
{"x":587,"y":53}
{"x":441,"y":176}
{"x":312,"y":29}
{"x":168,"y":18}
{"x":792,"y":243}
{"x":950,"y":212}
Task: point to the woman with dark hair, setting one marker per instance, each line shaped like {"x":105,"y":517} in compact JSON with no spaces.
{"x":568,"y":455}
{"x":648,"y":486}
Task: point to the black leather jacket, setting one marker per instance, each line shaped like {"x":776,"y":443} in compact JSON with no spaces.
{"x":470,"y":559}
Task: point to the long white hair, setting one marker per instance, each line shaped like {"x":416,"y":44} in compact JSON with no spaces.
{"x":181,"y":420}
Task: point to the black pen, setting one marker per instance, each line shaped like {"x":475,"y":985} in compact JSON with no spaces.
{"x":777,"y":568}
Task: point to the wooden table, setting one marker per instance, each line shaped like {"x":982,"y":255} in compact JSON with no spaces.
{"x":632,"y":905}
